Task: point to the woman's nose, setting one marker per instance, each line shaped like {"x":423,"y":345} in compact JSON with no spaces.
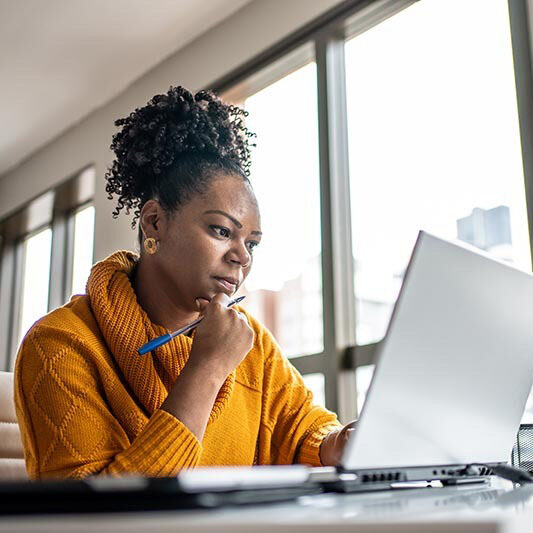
{"x":240,"y":254}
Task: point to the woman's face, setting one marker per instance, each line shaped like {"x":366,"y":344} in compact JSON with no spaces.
{"x":206,"y":246}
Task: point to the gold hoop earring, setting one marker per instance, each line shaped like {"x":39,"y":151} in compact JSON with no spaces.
{"x":150,"y":245}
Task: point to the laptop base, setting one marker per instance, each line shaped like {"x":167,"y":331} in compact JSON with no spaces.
{"x":406,"y":478}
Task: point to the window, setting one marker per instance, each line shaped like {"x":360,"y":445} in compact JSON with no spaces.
{"x":46,"y":255}
{"x":363,"y":378}
{"x":82,"y":259}
{"x":284,"y":288}
{"x":316,"y":384}
{"x":35,"y":280}
{"x":433,"y":143}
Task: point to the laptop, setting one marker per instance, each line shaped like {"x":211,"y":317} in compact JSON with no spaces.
{"x":453,"y":373}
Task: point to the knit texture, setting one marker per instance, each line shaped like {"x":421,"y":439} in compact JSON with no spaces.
{"x":88,"y":404}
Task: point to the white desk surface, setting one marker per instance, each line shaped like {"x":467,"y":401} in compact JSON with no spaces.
{"x":493,"y":507}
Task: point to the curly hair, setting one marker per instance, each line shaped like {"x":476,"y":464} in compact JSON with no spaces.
{"x":170,"y":149}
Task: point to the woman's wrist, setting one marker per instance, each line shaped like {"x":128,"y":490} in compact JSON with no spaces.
{"x":208,"y":369}
{"x":192,"y":397}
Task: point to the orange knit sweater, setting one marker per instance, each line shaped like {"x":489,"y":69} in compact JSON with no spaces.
{"x":88,"y":404}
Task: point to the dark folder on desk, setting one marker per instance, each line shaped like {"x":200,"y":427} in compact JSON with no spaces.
{"x":201,"y":488}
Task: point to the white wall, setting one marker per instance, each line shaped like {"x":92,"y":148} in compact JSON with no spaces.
{"x":239,"y":38}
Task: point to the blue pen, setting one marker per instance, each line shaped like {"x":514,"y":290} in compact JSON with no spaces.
{"x":152,"y":345}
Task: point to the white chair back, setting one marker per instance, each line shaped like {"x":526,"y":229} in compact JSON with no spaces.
{"x":12,"y":464}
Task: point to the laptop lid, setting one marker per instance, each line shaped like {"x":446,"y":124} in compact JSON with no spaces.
{"x":455,"y":369}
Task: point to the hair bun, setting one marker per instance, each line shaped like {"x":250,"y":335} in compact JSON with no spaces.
{"x":168,"y":128}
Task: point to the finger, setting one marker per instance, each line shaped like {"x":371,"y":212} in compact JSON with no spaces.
{"x":221,"y":298}
{"x":349,"y":432}
{"x":241,"y":315}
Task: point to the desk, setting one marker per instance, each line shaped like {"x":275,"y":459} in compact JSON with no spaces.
{"x":493,"y":507}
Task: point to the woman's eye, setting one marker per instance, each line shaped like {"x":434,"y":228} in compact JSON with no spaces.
{"x":221,"y":231}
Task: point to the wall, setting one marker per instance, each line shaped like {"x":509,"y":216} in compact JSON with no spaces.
{"x":237,"y":39}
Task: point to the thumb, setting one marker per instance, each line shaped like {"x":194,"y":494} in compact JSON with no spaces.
{"x":351,"y":425}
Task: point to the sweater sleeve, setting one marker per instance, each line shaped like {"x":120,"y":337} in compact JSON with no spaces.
{"x":297,"y":425}
{"x":68,"y":429}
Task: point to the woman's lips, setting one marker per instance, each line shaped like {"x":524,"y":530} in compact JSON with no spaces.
{"x":226,"y":284}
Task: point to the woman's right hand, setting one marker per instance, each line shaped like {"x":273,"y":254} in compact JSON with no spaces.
{"x":222,"y":339}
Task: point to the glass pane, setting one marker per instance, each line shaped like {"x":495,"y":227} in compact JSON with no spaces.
{"x":315,"y":383}
{"x":285,"y":288}
{"x":35,"y":280}
{"x":363,"y":378}
{"x":83,"y":248}
{"x":433,"y":143}
{"x":527,"y":418}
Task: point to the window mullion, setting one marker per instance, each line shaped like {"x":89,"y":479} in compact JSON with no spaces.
{"x":7,"y":292}
{"x":309,"y":364}
{"x":58,"y":265}
{"x":337,"y":259}
{"x":17,"y":262}
{"x":522,"y":43}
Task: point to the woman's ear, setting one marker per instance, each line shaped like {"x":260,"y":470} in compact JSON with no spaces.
{"x":152,"y":219}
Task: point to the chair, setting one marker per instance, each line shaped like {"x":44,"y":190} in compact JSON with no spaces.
{"x":12,"y":464}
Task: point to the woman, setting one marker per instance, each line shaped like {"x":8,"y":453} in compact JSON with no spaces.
{"x":87,"y":403}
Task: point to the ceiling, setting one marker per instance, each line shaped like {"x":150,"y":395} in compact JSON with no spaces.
{"x":61,"y":59}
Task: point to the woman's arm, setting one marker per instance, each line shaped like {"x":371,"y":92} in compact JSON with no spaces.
{"x":67,"y":427}
{"x":222,"y":341}
{"x":296,"y":425}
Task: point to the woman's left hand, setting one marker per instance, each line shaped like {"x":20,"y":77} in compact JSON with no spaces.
{"x":333,"y":444}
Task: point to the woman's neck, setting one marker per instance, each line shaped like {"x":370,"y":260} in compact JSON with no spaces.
{"x":156,"y":298}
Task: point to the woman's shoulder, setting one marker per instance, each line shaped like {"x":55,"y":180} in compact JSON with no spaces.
{"x":69,"y":327}
{"x":75,"y":317}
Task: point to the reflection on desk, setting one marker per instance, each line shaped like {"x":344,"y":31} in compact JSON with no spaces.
{"x":491,"y":507}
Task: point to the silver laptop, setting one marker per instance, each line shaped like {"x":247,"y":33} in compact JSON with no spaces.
{"x":453,"y":373}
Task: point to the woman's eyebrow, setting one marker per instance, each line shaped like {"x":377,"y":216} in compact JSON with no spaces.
{"x":234,"y":220}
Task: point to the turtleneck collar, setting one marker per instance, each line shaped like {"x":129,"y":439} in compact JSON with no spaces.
{"x":126,"y":326}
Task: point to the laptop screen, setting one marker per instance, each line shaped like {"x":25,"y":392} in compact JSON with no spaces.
{"x":456,"y":366}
